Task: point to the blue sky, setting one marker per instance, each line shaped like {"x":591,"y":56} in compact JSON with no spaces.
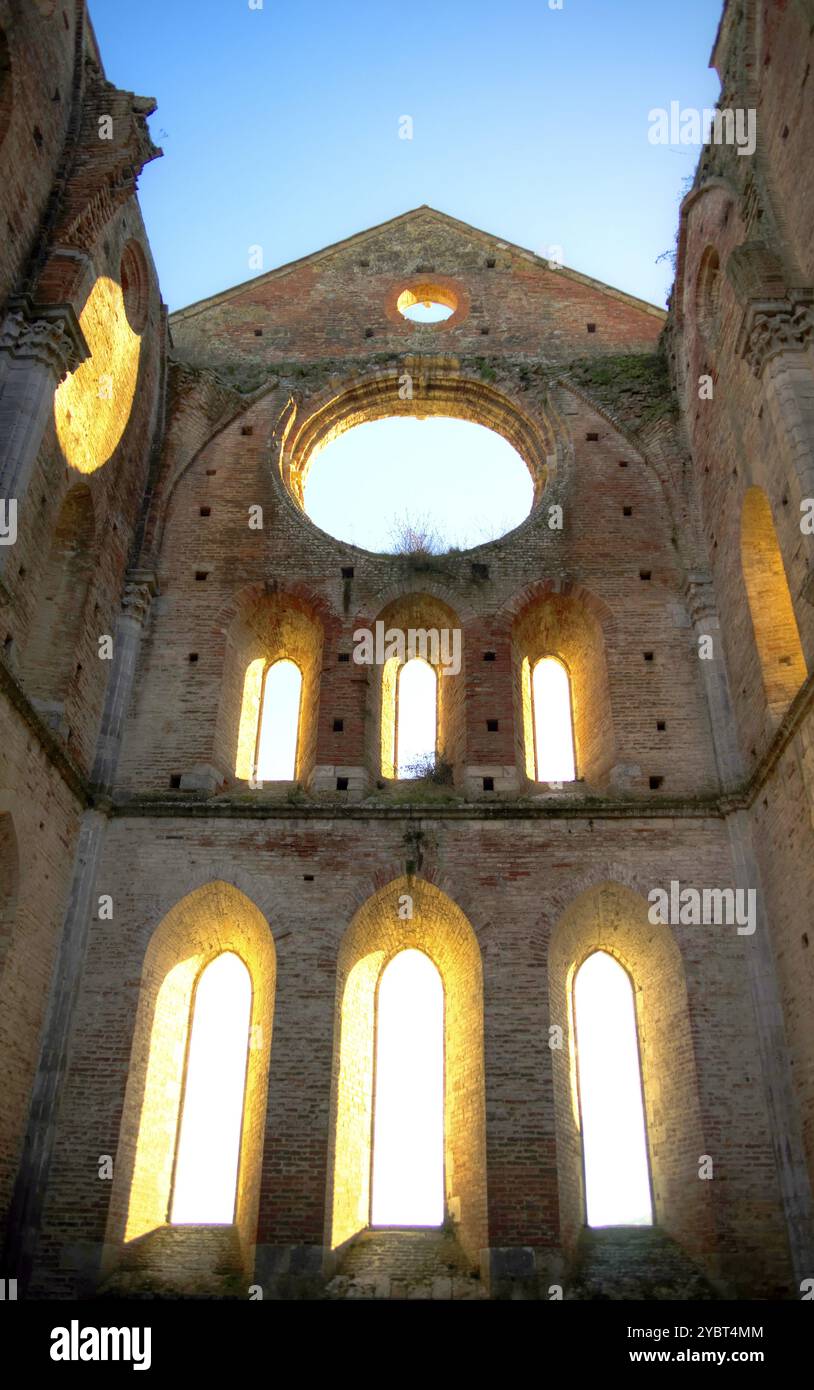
{"x":280,"y":128}
{"x":280,"y":125}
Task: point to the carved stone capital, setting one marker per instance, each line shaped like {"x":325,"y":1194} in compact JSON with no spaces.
{"x":139,"y":590}
{"x":48,"y":335}
{"x":699,"y":596}
{"x":771,"y":327}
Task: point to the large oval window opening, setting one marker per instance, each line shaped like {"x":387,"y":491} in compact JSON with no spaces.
{"x":405,"y":485}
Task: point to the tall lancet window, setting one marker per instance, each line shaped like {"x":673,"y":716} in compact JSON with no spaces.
{"x":416,"y":718}
{"x":270,"y":721}
{"x":553,"y":725}
{"x":614,"y":1138}
{"x":208,"y":1152}
{"x":408,"y":1127}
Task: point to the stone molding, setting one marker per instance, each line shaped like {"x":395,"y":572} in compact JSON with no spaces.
{"x":48,"y":335}
{"x":774,"y":326}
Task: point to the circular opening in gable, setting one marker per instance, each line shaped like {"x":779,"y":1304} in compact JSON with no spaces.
{"x":426,"y":304}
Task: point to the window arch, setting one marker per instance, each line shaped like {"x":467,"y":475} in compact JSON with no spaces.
{"x":568,"y":627}
{"x":549,"y":721}
{"x":268,"y":739}
{"x":50,"y":653}
{"x":407,"y":1187}
{"x":375,"y":939}
{"x":421,"y":729}
{"x":184,"y":950}
{"x":777,"y":638}
{"x":209,"y":1133}
{"x":611,"y":1103}
{"x":416,"y":722}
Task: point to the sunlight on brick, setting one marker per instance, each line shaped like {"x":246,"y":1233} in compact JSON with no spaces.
{"x":92,"y":405}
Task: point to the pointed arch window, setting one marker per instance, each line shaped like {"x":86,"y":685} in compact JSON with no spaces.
{"x":611,"y":1101}
{"x":547,"y":699}
{"x":409,"y":718}
{"x":209,"y":1135}
{"x":408,"y":1126}
{"x":268,"y":738}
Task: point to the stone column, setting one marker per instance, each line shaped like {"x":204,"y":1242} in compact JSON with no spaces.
{"x":139,"y":591}
{"x":28,"y":1200}
{"x":781,"y":1101}
{"x":700,"y":600}
{"x":778,"y":1084}
{"x":38,"y":347}
{"x":774,"y":338}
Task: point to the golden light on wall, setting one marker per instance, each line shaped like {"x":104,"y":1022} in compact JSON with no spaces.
{"x":92,"y":405}
{"x":194,"y":1117}
{"x":777,"y":637}
{"x":408,"y":1108}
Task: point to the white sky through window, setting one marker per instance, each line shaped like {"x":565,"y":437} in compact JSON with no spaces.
{"x":617,"y":1185}
{"x":417,"y":715}
{"x":553,"y":732}
{"x":277,"y":744}
{"x":465,"y":481}
{"x":408,"y":1135}
{"x":211,"y":1123}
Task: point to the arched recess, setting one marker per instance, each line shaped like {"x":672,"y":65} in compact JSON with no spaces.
{"x":9,"y":884}
{"x":377,"y":933}
{"x":50,"y":653}
{"x":782,"y":663}
{"x":437,"y":639}
{"x":267,"y":628}
{"x":614,"y":919}
{"x":213,"y":919}
{"x":708,"y":295}
{"x":565,"y":626}
{"x":436,"y":389}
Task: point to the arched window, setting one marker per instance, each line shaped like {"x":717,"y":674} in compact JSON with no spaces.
{"x":209,"y":1135}
{"x":269,"y":721}
{"x":416,"y":718}
{"x":777,"y":638}
{"x":408,"y":1133}
{"x":553,"y":727}
{"x":611,"y":1104}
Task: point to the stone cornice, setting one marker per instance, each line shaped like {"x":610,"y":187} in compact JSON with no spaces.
{"x":49,"y":334}
{"x":773,"y":326}
{"x":50,"y":745}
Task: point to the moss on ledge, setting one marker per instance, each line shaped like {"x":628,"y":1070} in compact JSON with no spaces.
{"x":634,"y":388}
